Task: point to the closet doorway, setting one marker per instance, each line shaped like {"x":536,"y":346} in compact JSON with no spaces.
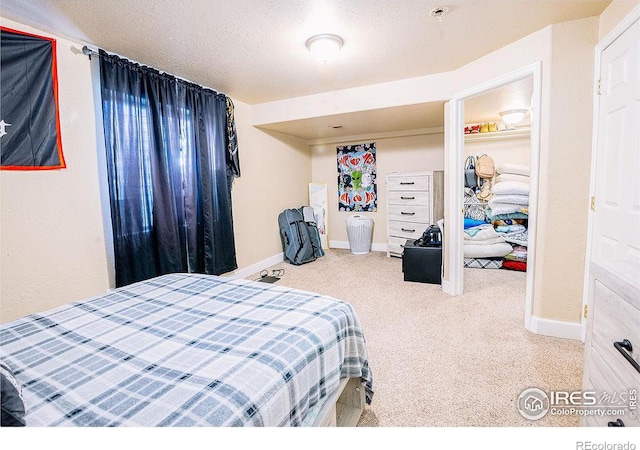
{"x":496,"y":208}
{"x":454,"y":166}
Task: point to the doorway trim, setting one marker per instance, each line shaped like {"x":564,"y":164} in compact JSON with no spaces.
{"x":454,"y":161}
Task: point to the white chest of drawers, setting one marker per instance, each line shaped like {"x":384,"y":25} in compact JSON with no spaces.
{"x":409,"y":208}
{"x":613,"y":323}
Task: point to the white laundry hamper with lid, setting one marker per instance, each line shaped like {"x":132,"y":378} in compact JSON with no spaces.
{"x":360,"y":233}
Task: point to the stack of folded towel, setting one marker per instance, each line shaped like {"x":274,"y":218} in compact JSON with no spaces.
{"x":508,"y":211}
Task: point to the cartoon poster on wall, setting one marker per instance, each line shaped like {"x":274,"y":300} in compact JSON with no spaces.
{"x":357,"y":189}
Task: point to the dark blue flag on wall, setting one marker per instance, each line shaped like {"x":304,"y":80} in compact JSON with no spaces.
{"x":29,"y":119}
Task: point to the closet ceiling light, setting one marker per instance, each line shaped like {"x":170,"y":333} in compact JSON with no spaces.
{"x":324,"y":47}
{"x":513,"y":116}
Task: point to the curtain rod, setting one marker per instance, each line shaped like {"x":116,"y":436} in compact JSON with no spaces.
{"x":87,"y":51}
{"x":90,"y":52}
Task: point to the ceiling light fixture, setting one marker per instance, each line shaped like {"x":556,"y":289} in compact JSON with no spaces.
{"x":324,"y":47}
{"x":513,"y":116}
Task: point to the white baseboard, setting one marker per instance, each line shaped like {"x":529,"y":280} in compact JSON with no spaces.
{"x":345,"y":245}
{"x":275,"y":259}
{"x":447,"y":288}
{"x":339,"y":244}
{"x":257,"y":267}
{"x":556,"y":328}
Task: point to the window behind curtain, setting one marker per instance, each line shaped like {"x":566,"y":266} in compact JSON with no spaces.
{"x":171,"y":157}
{"x":131,"y":116}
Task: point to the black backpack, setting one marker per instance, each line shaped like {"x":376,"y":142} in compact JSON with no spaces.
{"x":300,"y":238}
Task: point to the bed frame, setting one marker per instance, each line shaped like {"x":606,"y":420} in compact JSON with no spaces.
{"x":344,"y":407}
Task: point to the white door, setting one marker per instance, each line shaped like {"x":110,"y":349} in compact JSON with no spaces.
{"x":615,"y":243}
{"x":612,"y":344}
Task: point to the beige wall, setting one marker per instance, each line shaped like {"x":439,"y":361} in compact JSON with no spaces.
{"x":276,"y":172}
{"x":514,"y":151}
{"x":52,"y":235}
{"x":54,"y":243}
{"x":525,"y":52}
{"x":399,"y":154}
{"x":52,"y":240}
{"x":566,"y":53}
{"x":614,"y":13}
{"x":565,"y":169}
{"x":411,"y":91}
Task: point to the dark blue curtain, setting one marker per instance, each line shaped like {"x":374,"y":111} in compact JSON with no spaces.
{"x":171,"y":157}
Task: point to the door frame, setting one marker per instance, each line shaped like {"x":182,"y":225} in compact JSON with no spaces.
{"x":454,"y":162}
{"x":614,"y":34}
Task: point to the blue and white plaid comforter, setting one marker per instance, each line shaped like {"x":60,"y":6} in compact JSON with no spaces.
{"x":185,"y":350}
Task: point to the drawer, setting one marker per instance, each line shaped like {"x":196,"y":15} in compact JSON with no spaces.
{"x":395,"y":245}
{"x":602,"y":421}
{"x":408,"y":183}
{"x":602,"y":380}
{"x":406,"y":230}
{"x":409,"y":213}
{"x":615,"y":319}
{"x":417,"y":198}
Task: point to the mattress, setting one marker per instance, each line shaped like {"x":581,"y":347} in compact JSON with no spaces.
{"x":186,"y":350}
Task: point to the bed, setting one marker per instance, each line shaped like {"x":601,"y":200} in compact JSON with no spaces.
{"x":192,"y":350}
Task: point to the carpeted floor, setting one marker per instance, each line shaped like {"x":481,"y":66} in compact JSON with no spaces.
{"x":441,"y":361}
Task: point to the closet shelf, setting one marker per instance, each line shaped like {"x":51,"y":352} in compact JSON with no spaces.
{"x":498,"y":135}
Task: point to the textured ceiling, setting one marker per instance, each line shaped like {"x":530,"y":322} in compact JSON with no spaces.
{"x":254,"y":50}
